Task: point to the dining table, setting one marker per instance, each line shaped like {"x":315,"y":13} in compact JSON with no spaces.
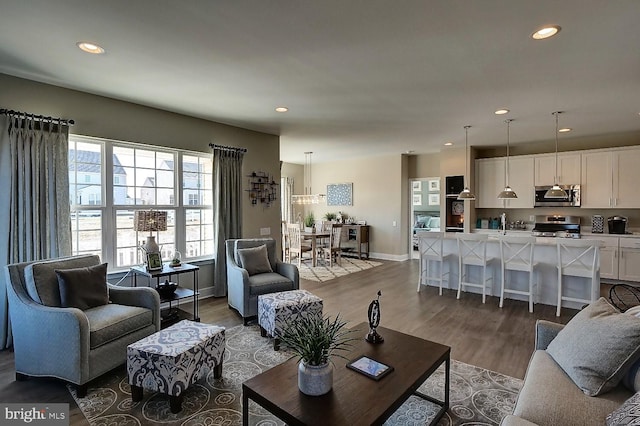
{"x":314,"y":237}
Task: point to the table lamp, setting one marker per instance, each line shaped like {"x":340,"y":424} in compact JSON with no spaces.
{"x":150,"y":220}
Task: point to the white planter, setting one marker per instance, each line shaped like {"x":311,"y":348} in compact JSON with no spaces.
{"x":315,"y":380}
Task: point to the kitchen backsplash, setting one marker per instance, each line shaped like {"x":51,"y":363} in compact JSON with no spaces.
{"x":524,"y":215}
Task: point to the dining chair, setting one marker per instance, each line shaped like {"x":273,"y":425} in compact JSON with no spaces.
{"x":431,"y":251}
{"x":333,"y":249}
{"x":472,"y":251}
{"x":578,"y":258}
{"x":285,"y":242}
{"x":295,"y":244}
{"x":516,"y":255}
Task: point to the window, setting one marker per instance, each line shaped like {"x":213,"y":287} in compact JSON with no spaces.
{"x":138,"y":177}
{"x":197,"y":193}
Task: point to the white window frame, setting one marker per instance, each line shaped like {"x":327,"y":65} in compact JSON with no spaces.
{"x":108,"y":209}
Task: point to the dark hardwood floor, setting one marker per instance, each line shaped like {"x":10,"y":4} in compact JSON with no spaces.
{"x":484,"y":335}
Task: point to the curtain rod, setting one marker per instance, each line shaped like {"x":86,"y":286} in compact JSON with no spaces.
{"x":227,"y":148}
{"x":21,"y":114}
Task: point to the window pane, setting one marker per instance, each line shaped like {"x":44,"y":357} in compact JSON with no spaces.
{"x":86,"y":231}
{"x":85,"y":171}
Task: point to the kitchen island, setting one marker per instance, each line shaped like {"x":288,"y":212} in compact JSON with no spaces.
{"x":546,"y":272}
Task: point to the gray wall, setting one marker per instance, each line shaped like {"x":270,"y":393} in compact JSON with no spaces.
{"x":114,"y":119}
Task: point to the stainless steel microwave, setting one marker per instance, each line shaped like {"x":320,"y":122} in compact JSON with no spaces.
{"x":573,"y":197}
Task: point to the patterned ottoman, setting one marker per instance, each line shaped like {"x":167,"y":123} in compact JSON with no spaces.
{"x":172,"y":359}
{"x":275,"y":310}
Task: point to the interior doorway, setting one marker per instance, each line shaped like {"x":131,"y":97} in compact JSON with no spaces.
{"x":424,"y":200}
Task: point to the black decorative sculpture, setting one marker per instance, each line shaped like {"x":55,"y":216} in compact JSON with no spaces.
{"x":374,"y":321}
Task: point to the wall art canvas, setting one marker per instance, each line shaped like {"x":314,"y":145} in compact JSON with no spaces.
{"x":416,"y":185}
{"x":340,"y":194}
{"x":434,"y":199}
{"x":417,"y":199}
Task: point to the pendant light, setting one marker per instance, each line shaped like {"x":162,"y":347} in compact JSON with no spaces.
{"x":466,"y":194}
{"x":556,"y":192}
{"x":307,"y":197}
{"x":507,"y":193}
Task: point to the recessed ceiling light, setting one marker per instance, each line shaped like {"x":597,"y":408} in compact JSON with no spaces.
{"x":282,"y":109}
{"x":85,"y":46}
{"x":409,"y":151}
{"x":564,"y":130}
{"x":546,"y":32}
{"x":501,"y":111}
{"x":448,"y":144}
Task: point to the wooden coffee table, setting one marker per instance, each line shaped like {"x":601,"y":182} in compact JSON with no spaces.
{"x":355,"y":398}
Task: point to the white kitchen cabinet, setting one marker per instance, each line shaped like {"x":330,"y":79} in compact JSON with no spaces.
{"x":490,"y":180}
{"x":629,"y":259}
{"x":608,"y":256}
{"x":610,"y":178}
{"x":569,"y":169}
{"x":521,"y":181}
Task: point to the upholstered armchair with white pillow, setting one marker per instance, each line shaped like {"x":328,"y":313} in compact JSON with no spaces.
{"x":69,"y":323}
{"x":253,"y":268}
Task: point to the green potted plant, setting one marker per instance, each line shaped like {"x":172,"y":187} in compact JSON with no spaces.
{"x":315,"y":340}
{"x":330,"y":216}
{"x":309,"y":221}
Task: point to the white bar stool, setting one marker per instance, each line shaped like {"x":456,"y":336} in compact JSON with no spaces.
{"x":516,"y":255}
{"x":578,"y":258}
{"x":472,"y":251}
{"x":430,"y":246}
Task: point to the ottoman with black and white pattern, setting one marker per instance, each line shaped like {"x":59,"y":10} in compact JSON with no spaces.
{"x":276,"y":310}
{"x":170,"y":360}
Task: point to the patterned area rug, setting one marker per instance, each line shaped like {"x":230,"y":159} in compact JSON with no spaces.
{"x":323,"y":273}
{"x":478,"y":396}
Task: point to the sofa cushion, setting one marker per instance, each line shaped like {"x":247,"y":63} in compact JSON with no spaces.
{"x":597,"y":347}
{"x":255,"y":260}
{"x":549,"y":397}
{"x":627,"y":414}
{"x":42,"y":282}
{"x":83,"y":288}
{"x":110,"y":322}
{"x":268,"y":283}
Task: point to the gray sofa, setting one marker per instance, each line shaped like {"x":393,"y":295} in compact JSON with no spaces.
{"x":550,"y":397}
{"x":72,"y":344}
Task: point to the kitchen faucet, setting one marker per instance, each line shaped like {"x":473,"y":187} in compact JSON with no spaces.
{"x":503,"y":223}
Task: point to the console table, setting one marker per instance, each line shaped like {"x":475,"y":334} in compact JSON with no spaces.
{"x":355,"y":238}
{"x":173,"y":315}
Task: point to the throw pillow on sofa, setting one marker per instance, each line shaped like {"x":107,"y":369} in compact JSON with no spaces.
{"x":597,"y":347}
{"x":83,"y":288}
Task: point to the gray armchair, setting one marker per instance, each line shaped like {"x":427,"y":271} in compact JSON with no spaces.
{"x":244,"y":288}
{"x":69,"y":343}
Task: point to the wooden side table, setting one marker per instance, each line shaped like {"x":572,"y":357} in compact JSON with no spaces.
{"x":181,"y":292}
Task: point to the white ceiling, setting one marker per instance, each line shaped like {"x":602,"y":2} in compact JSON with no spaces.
{"x":360,"y":77}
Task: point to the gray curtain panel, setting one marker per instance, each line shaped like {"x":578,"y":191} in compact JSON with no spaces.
{"x":227,"y":201}
{"x":34,"y":201}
